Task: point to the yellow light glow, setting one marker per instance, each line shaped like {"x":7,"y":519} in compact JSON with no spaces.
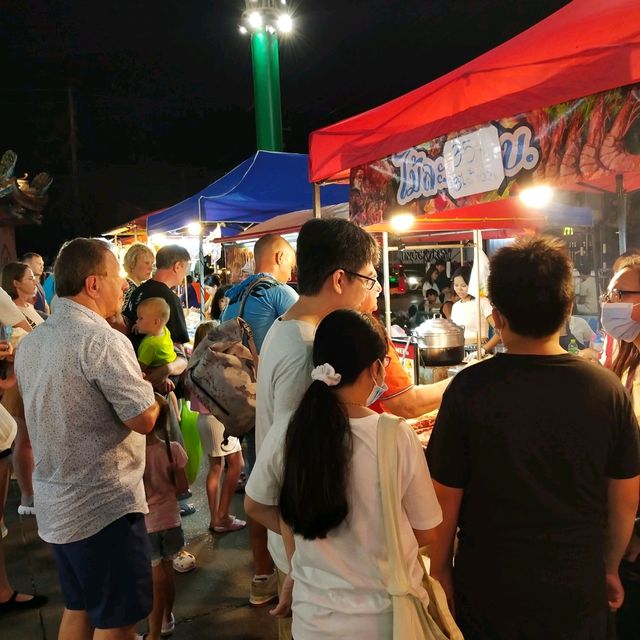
{"x":536,"y":197}
{"x":402,"y":221}
{"x":194,"y":228}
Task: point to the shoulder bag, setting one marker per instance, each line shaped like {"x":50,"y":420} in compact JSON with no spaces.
{"x":411,"y":620}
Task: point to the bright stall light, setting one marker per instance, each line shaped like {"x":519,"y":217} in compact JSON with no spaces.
{"x":285,"y":23}
{"x":536,"y":197}
{"x":255,"y":19}
{"x":402,"y":221}
{"x":243,"y":30}
{"x":194,"y":228}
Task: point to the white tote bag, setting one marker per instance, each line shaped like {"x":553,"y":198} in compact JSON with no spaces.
{"x":411,"y":620}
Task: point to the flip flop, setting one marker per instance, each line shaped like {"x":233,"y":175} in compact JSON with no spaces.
{"x":16,"y":605}
{"x":168,"y":627}
{"x":233,"y":524}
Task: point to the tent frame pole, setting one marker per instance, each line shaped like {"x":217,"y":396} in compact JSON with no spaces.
{"x":201,"y":259}
{"x":386,"y":287}
{"x":317,"y":207}
{"x":477,"y":248}
{"x":621,"y":198}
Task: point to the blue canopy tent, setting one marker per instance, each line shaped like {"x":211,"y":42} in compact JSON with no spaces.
{"x":267,"y":184}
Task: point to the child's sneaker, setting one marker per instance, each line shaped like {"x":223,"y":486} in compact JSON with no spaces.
{"x":263,"y":589}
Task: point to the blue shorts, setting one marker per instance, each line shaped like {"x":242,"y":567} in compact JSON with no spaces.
{"x":108,"y":575}
{"x":166,"y":544}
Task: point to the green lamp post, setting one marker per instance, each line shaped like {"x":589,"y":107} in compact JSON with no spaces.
{"x":265,"y":19}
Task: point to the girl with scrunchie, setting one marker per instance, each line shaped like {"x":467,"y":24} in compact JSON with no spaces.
{"x":318,"y":476}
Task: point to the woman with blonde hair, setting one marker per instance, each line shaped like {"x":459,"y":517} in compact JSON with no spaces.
{"x":138,"y":264}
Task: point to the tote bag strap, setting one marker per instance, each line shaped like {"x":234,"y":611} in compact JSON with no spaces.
{"x":387,"y":438}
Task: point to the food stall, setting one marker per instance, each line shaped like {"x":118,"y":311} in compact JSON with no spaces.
{"x":551,"y":117}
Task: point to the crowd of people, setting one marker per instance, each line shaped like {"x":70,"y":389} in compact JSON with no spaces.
{"x":525,"y":497}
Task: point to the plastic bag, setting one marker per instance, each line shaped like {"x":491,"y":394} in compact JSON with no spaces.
{"x":192,"y":444}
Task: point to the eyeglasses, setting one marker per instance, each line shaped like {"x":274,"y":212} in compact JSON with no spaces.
{"x":369,"y":282}
{"x":615,"y":295}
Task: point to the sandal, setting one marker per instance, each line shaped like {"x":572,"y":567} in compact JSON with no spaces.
{"x":168,"y":627}
{"x":16,"y":605}
{"x":233,"y":524}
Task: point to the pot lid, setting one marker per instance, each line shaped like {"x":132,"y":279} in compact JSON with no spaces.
{"x":438,"y":326}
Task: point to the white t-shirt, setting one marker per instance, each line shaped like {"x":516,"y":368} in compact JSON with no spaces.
{"x":588,"y":291}
{"x":581,"y":329}
{"x":465,"y":314}
{"x":284,"y":374}
{"x":340,"y":581}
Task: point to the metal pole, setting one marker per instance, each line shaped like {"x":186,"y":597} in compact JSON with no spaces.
{"x":477,"y":246}
{"x":266,"y":88}
{"x":317,"y":208}
{"x":385,"y":287}
{"x":201,"y":260}
{"x":622,"y":214}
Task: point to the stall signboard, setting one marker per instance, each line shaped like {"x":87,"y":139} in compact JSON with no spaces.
{"x":584,"y":141}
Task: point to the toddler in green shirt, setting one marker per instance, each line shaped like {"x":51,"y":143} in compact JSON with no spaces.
{"x":156,"y":348}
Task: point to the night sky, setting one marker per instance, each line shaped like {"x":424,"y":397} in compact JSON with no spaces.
{"x":163,"y":90}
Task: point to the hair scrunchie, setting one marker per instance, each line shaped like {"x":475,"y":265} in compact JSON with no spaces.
{"x":327,"y":374}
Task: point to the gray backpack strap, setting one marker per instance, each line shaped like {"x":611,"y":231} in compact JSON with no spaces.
{"x":247,"y":292}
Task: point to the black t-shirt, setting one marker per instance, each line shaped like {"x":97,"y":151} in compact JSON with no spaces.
{"x":532,"y":441}
{"x":154,"y":289}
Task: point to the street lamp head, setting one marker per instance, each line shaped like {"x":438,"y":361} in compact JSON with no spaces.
{"x":268,"y":15}
{"x":285,"y":23}
{"x":255,"y":20}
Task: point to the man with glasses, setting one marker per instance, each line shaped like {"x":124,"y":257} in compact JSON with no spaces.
{"x":336,"y":269}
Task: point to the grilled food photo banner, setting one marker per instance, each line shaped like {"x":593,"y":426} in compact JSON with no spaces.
{"x":577,"y":144}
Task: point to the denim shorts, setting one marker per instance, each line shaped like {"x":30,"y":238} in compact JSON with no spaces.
{"x":166,"y":544}
{"x":108,"y":575}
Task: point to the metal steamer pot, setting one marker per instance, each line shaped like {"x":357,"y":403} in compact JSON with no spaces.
{"x":441,"y":343}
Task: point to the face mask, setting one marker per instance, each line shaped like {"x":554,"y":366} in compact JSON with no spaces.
{"x":617,"y":321}
{"x":376,"y":393}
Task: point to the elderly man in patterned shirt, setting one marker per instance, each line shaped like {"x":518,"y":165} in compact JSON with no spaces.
{"x":88,"y":408}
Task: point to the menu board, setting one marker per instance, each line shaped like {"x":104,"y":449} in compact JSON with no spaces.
{"x":473,"y":162}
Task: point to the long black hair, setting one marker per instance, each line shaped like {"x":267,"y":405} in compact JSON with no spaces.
{"x":318,"y":446}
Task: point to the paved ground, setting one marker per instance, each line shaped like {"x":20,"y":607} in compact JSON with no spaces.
{"x":212,"y":601}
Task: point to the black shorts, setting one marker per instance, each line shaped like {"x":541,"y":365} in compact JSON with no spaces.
{"x":108,"y":575}
{"x":5,"y":454}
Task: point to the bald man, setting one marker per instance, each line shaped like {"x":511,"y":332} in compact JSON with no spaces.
{"x":268,"y":300}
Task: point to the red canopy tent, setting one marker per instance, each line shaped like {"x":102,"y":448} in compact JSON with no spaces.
{"x":586,"y":47}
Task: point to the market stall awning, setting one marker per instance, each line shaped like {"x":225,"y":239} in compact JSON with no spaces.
{"x":265,"y":185}
{"x":286,"y":223}
{"x":587,"y":47}
{"x":509,"y":214}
